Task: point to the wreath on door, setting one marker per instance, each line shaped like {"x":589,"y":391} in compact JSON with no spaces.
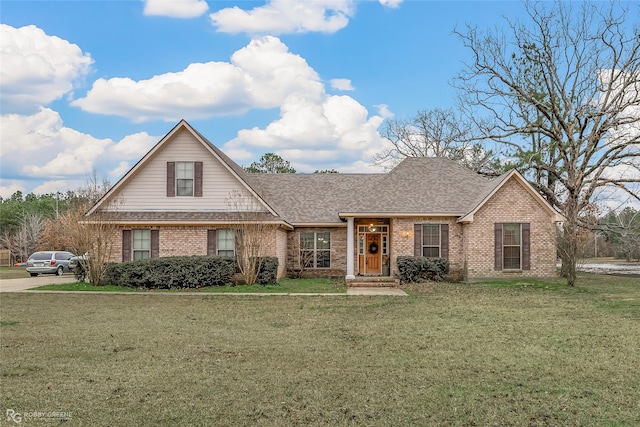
{"x":373,"y":248}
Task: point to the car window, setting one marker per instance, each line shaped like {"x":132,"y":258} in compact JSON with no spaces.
{"x":40,"y":256}
{"x":63,"y":255}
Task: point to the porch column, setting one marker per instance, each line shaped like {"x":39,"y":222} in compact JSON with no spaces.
{"x":350,"y":249}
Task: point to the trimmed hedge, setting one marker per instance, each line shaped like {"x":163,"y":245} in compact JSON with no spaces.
{"x":268,"y":270}
{"x":183,"y":272}
{"x":419,"y":269}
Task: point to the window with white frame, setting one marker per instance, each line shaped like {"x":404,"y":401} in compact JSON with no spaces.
{"x":226,"y":244}
{"x":141,"y":244}
{"x":512,"y":246}
{"x":431,"y":240}
{"x":184,"y":178}
{"x":315,"y":249}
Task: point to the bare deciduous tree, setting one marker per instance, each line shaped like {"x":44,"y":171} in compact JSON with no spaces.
{"x":93,"y":190}
{"x":561,"y":93}
{"x":27,"y":239}
{"x":91,"y":238}
{"x":435,"y":133}
{"x":254,"y":233}
{"x":302,"y":255}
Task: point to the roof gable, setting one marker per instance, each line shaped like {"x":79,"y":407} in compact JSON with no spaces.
{"x":143,"y":187}
{"x":497,"y":183}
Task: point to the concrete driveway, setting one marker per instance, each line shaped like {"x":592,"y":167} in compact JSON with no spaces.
{"x":16,"y":285}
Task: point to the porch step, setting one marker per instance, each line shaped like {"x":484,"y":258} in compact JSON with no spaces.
{"x":373,"y":282}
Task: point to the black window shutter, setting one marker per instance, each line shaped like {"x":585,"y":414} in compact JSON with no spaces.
{"x":197,"y":185}
{"x":444,"y":241}
{"x":498,"y":246}
{"x":155,"y":243}
{"x":211,"y":242}
{"x":526,"y":246}
{"x":126,"y":245}
{"x":417,"y":239}
{"x":171,"y":179}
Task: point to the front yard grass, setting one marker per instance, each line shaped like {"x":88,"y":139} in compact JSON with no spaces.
{"x":448,"y":355}
{"x":13,"y":273}
{"x":285,"y":285}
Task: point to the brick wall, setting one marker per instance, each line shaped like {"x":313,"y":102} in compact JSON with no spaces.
{"x":512,"y":203}
{"x":180,"y":241}
{"x":192,"y":240}
{"x":401,"y":236}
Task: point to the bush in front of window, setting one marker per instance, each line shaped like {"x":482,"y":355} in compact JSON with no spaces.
{"x":184,"y":272}
{"x":267,"y":270}
{"x":420,"y":269}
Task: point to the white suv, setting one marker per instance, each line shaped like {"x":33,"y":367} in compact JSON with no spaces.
{"x":52,"y":262}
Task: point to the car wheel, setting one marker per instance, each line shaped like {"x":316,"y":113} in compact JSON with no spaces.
{"x":60,"y":271}
{"x":33,"y":274}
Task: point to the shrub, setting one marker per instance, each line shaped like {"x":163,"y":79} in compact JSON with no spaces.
{"x":267,"y":270}
{"x":79,"y":272}
{"x":418,"y":269}
{"x":172,"y":272}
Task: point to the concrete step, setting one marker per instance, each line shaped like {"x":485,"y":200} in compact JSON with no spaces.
{"x":373,"y":282}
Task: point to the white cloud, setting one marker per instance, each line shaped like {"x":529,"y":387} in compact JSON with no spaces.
{"x":9,"y":187}
{"x":392,"y":4}
{"x":175,"y":8}
{"x":285,"y":17}
{"x":59,"y":185}
{"x":260,"y":75}
{"x":623,"y":97}
{"x":313,"y":126}
{"x":341,"y":84}
{"x":37,"y":68}
{"x":120,"y":170}
{"x":134,"y":146}
{"x":57,"y":154}
{"x":336,"y":133}
{"x":384,"y":111}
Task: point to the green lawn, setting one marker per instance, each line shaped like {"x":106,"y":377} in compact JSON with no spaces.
{"x":13,"y":273}
{"x":284,"y":286}
{"x":517,"y":354}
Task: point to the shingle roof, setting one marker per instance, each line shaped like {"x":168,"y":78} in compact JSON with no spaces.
{"x":421,"y":186}
{"x":418,"y":185}
{"x":183,"y":216}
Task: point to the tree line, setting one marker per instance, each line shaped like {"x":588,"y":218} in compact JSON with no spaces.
{"x":35,"y":222}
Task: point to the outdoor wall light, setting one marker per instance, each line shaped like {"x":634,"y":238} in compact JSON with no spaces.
{"x":406,"y":234}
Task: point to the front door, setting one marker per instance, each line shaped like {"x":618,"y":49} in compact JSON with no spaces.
{"x":373,"y":253}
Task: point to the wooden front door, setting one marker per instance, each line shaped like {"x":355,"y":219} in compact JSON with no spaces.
{"x":373,"y":253}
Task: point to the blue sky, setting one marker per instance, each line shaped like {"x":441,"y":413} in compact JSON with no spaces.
{"x":91,"y":85}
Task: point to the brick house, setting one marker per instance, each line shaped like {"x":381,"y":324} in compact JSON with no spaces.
{"x":175,"y":201}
